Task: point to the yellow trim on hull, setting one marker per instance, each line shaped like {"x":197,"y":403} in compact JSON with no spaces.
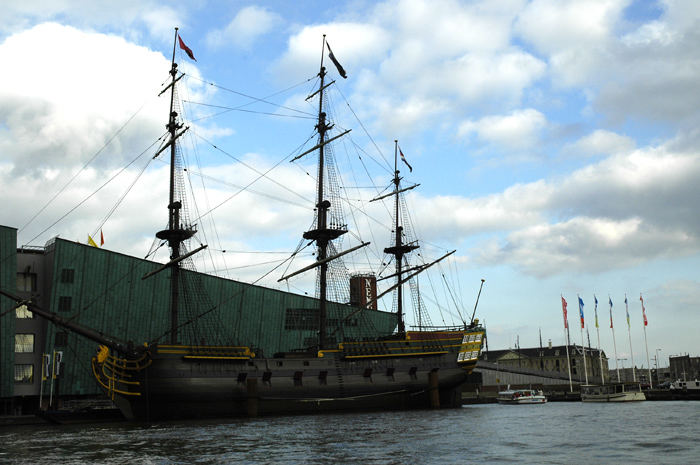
{"x":411,"y":354}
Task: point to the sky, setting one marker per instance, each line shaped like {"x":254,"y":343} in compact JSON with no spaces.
{"x":555,"y":143}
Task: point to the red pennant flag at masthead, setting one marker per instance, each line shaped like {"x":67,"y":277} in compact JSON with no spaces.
{"x":187,"y":50}
{"x":644,"y":312}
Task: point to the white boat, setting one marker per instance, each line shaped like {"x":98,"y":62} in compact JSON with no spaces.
{"x":693,"y":385}
{"x":615,"y":392}
{"x":521,"y":396}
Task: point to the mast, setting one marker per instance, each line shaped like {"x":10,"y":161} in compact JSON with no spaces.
{"x":322,"y":234}
{"x":600,"y":352}
{"x":617,"y":368}
{"x":399,"y":249}
{"x":629,"y":334}
{"x":566,"y":334}
{"x":644,"y":326}
{"x":583,"y":346}
{"x":175,"y":234}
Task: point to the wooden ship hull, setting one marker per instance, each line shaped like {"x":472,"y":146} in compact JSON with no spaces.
{"x":180,"y":382}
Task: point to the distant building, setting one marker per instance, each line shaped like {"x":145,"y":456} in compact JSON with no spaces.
{"x":629,"y":375}
{"x":553,"y":360}
{"x":684,"y":367}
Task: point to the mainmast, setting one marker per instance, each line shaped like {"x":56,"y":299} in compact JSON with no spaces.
{"x":176,"y":233}
{"x":399,"y":249}
{"x":322,"y":234}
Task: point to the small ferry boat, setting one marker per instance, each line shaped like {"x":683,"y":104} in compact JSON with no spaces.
{"x":521,"y":396}
{"x":683,"y":385}
{"x":615,"y":392}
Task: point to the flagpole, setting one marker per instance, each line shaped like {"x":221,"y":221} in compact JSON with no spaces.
{"x":629,"y":334}
{"x":644,"y":325}
{"x":583,"y":345}
{"x":566,"y":334}
{"x":612,"y":329}
{"x":174,"y":46}
{"x":597,"y":330}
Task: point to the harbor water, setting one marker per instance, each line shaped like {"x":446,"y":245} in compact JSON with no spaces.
{"x":557,"y":432}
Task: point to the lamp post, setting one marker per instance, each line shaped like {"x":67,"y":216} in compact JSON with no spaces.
{"x":658,"y":380}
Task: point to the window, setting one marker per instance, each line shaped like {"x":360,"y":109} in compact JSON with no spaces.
{"x":61,"y":339}
{"x":301,"y":318}
{"x":67,"y":275}
{"x":24,"y":374}
{"x":22,"y":312}
{"x":64,"y":304}
{"x":24,"y":343}
{"x":26,"y":282}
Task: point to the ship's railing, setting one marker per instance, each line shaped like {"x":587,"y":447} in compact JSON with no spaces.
{"x":407,"y":347}
{"x":205,"y":352}
{"x":114,"y":373}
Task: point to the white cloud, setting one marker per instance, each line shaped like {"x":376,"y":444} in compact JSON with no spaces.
{"x":557,"y":25}
{"x":519,"y":129}
{"x":354,"y":44}
{"x":626,"y":209}
{"x":131,"y":17}
{"x":600,"y":142}
{"x":59,"y":103}
{"x":463,"y":62}
{"x":249,"y":23}
{"x":573,"y":34}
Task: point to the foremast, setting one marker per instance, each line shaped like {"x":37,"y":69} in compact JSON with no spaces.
{"x":176,"y":233}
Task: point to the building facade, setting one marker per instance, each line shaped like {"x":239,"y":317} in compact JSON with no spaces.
{"x":684,"y":367}
{"x":554,"y":360}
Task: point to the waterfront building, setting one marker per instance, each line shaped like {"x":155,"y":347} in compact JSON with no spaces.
{"x":684,"y":367}
{"x":552,"y":360}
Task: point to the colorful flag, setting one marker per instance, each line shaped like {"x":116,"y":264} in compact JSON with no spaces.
{"x":610,"y":300}
{"x":580,"y":310}
{"x":596,"y":310}
{"x":91,"y":242}
{"x":566,"y":319}
{"x":340,"y":69}
{"x":644,"y":313}
{"x":627,"y":310}
{"x":404,"y":160}
{"x":102,"y":239}
{"x":187,"y":50}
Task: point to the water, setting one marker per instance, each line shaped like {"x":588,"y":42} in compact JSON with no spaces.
{"x":559,"y":432}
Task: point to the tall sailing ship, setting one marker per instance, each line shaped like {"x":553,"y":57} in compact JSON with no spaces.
{"x":187,"y":376}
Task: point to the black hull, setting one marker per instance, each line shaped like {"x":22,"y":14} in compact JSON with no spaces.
{"x":174,"y":388}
